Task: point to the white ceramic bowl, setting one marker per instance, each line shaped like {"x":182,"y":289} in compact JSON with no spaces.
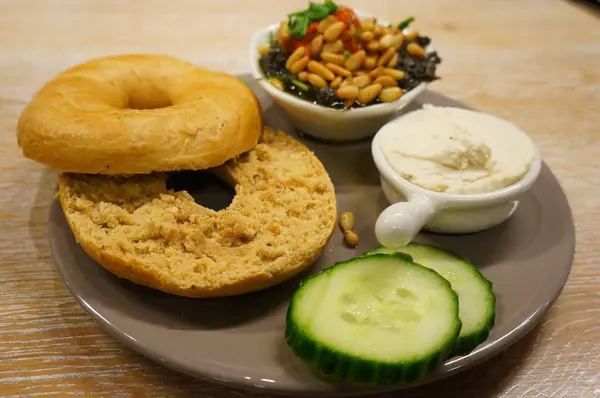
{"x":323,"y":122}
{"x":414,"y":208}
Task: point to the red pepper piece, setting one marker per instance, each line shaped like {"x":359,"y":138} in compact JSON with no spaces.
{"x":312,"y":28}
{"x":347,"y":16}
{"x":352,"y":47}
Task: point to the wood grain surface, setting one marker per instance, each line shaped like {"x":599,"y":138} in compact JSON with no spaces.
{"x":535,"y":62}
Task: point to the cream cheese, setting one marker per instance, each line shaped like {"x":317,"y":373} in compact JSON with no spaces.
{"x":456,"y":150}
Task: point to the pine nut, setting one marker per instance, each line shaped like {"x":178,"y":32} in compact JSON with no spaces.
{"x":338,"y":70}
{"x":375,"y":73}
{"x":264,"y":49}
{"x":412,"y":35}
{"x":367,"y":24}
{"x":346,"y":82}
{"x":373,"y":46}
{"x":386,"y":56}
{"x":355,"y":60}
{"x":337,"y":59}
{"x":393,"y":62}
{"x":415,"y":50}
{"x":361,"y":81}
{"x":370,"y":61}
{"x":360,"y":72}
{"x":386,"y":81}
{"x":283,"y":32}
{"x":378,"y":30}
{"x":367,"y":35}
{"x":346,"y":36}
{"x":334,"y":31}
{"x":336,"y":47}
{"x":299,"y":65}
{"x":296,"y":55}
{"x":320,"y":70}
{"x":349,"y":92}
{"x":347,"y":220}
{"x":390,"y":94}
{"x":336,"y":83}
{"x":395,"y":73}
{"x":325,"y":23}
{"x":275,"y":82}
{"x":397,"y":41}
{"x":303,"y":76}
{"x":316,"y":46}
{"x":369,"y":93}
{"x":386,"y":41}
{"x":351,"y":238}
{"x":317,"y":81}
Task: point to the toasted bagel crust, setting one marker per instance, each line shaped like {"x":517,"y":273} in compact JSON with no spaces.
{"x":136,"y":114}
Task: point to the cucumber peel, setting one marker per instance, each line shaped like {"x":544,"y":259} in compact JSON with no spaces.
{"x":476,"y":298}
{"x":379,"y":319}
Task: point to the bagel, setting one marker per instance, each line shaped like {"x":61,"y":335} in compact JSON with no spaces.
{"x":278,"y":223}
{"x":136,"y":114}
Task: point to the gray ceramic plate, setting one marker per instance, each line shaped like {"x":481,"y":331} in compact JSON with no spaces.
{"x":240,"y":341}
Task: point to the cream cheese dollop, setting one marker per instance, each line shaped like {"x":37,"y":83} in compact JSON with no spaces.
{"x":456,"y":150}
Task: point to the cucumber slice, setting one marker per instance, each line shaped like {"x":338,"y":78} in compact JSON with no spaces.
{"x":379,"y":319}
{"x":476,"y":299}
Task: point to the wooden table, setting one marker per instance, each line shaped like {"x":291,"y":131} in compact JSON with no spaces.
{"x":534,"y":62}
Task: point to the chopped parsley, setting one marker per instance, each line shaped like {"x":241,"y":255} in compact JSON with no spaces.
{"x":404,"y":24}
{"x":298,"y":22}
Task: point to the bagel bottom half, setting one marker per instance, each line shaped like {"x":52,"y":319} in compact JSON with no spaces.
{"x":282,"y":215}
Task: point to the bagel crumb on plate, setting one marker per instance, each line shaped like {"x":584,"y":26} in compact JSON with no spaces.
{"x":278,"y":223}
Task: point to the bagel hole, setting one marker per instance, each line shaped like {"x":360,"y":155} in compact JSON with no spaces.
{"x":148,"y":98}
{"x":206,"y":189}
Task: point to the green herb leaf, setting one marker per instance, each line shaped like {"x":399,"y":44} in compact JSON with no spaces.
{"x":331,"y":6}
{"x":299,"y":84}
{"x":404,"y":24}
{"x":347,"y":54}
{"x":318,"y":11}
{"x":297,"y":25}
{"x":271,"y":38}
{"x":299,"y":21}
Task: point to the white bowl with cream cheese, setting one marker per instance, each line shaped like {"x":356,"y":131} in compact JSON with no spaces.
{"x":450,"y":170}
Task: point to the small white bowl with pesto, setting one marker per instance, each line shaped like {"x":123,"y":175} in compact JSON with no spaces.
{"x":450,"y":170}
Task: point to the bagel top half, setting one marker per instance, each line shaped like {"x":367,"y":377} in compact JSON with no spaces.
{"x":136,"y":114}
